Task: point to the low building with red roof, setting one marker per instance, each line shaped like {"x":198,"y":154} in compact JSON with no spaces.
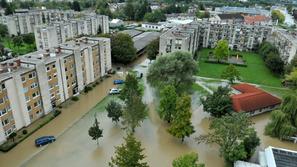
{"x":250,"y":99}
{"x":256,"y":19}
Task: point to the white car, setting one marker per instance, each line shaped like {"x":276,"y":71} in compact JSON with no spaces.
{"x":114,"y":91}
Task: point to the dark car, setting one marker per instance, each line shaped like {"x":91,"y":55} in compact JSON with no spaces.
{"x":44,"y":140}
{"x":118,"y":81}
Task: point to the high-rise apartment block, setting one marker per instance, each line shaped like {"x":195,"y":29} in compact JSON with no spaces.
{"x":33,"y":84}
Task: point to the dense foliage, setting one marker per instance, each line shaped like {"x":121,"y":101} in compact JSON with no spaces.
{"x":234,"y":134}
{"x":167,"y":106}
{"x":219,"y":103}
{"x":175,"y":69}
{"x":152,"y":49}
{"x":278,"y":15}
{"x":95,"y":132}
{"x":221,"y":51}
{"x":122,"y":48}
{"x":231,"y":73}
{"x":114,"y":110}
{"x":187,"y":160}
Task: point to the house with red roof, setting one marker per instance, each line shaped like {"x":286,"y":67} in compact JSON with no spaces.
{"x":257,"y":19}
{"x":250,"y":99}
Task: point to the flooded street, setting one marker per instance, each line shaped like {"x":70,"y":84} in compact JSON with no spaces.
{"x":75,"y":148}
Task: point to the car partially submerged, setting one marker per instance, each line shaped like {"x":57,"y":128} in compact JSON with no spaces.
{"x":114,"y":91}
{"x":44,"y":140}
{"x":118,"y":81}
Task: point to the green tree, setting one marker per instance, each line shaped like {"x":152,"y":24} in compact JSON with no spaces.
{"x":250,"y":143}
{"x":17,"y":41}
{"x":219,"y":103}
{"x":29,"y":38}
{"x":275,"y":63}
{"x":175,"y":69}
{"x":152,"y":49}
{"x":122,"y":48}
{"x":221,"y":51}
{"x":280,"y":125}
{"x":131,"y":88}
{"x":155,"y":16}
{"x":167,"y":106}
{"x":3,"y":30}
{"x":289,"y":107}
{"x":230,"y":132}
{"x":129,"y":10}
{"x":134,"y":113}
{"x":76,"y":6}
{"x":3,"y":3}
{"x":141,"y":8}
{"x":95,"y":132}
{"x":9,"y":9}
{"x":291,"y":79}
{"x":181,"y":125}
{"x":129,"y":154}
{"x":230,"y":73}
{"x":114,"y":110}
{"x":187,"y":160}
{"x":278,"y":15}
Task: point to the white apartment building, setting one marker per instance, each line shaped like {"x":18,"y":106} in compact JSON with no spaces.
{"x":32,"y":85}
{"x":46,"y":37}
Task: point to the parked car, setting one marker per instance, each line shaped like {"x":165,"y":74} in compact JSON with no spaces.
{"x":44,"y":140}
{"x":118,"y":81}
{"x":114,"y":91}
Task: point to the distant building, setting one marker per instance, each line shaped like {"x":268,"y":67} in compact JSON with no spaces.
{"x":142,"y":40}
{"x":252,"y":100}
{"x":232,"y":18}
{"x":116,"y":23}
{"x":250,"y":11}
{"x":257,"y":19}
{"x":152,"y":26}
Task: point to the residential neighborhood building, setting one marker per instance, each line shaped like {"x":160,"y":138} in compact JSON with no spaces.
{"x":249,"y":99}
{"x":33,"y":84}
{"x":152,"y":26}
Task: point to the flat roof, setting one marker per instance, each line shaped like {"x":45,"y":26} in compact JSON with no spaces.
{"x":131,"y":33}
{"x":142,"y":40}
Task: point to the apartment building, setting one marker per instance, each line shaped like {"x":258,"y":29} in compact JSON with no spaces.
{"x":32,"y":85}
{"x":205,"y":34}
{"x":59,"y":32}
{"x":285,"y":42}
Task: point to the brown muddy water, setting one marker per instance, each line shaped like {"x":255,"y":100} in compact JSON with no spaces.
{"x":75,"y":148}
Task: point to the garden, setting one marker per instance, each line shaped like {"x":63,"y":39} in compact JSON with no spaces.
{"x":255,"y":70}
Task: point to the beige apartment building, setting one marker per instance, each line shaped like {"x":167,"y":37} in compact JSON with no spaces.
{"x":32,"y":85}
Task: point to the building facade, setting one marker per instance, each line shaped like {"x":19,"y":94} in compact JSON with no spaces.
{"x":32,"y":85}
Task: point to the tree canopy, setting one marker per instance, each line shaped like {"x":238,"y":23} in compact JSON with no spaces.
{"x":231,"y":73}
{"x":128,"y":154}
{"x":291,"y":79}
{"x":233,"y":134}
{"x":155,"y":16}
{"x":175,"y":69}
{"x":221,"y":51}
{"x":278,"y":15}
{"x":219,"y":103}
{"x":181,"y":125}
{"x":114,"y":110}
{"x":152,"y":49}
{"x":187,"y":160}
{"x":167,"y":106}
{"x":122,"y":48}
{"x":95,"y":132}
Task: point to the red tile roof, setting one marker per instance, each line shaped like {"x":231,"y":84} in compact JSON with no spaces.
{"x":252,"y":98}
{"x":255,"y":19}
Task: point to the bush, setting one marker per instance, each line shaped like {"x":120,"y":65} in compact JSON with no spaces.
{"x":87,"y":89}
{"x":24,"y":132}
{"x":56,"y":113}
{"x":74,"y":98}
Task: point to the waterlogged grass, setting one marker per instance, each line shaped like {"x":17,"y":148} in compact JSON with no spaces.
{"x":280,"y":92}
{"x":255,"y":72}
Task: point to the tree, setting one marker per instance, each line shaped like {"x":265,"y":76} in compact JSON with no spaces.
{"x":29,"y":38}
{"x":152,"y":49}
{"x":280,"y":125}
{"x":128,"y":154}
{"x":175,"y":69}
{"x":187,"y":160}
{"x":181,"y":126}
{"x":3,"y":3}
{"x":122,"y":48}
{"x":134,"y":113}
{"x":17,"y":41}
{"x":114,"y":110}
{"x":219,"y":103}
{"x":221,"y":51}
{"x":129,"y":9}
{"x":12,"y":136}
{"x":9,"y":9}
{"x":95,"y":132}
{"x":155,"y":16}
{"x":230,"y":73}
{"x":76,"y":6}
{"x":167,"y":106}
{"x":230,"y":132}
{"x":141,"y":8}
{"x":291,"y":79}
{"x":250,"y":143}
{"x":265,"y":48}
{"x":274,"y":63}
{"x":131,"y":88}
{"x":278,"y":15}
{"x":289,"y":107}
{"x":3,"y":30}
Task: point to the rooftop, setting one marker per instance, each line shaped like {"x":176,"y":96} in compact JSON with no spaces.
{"x":231,"y":16}
{"x":142,"y":40}
{"x":252,"y":98}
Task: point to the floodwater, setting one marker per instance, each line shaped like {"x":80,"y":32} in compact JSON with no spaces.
{"x":75,"y":148}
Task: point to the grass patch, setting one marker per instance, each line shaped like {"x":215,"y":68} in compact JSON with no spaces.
{"x":255,"y":72}
{"x":24,"y":48}
{"x":100,"y":107}
{"x":199,"y":89}
{"x":280,"y":92}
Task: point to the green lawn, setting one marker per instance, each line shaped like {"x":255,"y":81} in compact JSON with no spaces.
{"x":24,"y":48}
{"x":256,"y":71}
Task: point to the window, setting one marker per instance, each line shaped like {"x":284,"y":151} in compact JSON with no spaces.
{"x":29,"y":108}
{"x":66,"y":69}
{"x":33,"y":85}
{"x":55,"y":75}
{"x":23,"y":79}
{"x":27,"y":98}
{"x":5,"y":122}
{"x":30,"y":76}
{"x":2,"y":112}
{"x":3,"y":86}
{"x":54,"y":66}
{"x":47,"y":68}
{"x":49,"y":77}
